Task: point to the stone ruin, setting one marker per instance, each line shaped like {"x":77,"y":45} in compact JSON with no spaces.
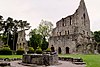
{"x":21,"y":41}
{"x":40,"y":59}
{"x":72,"y":34}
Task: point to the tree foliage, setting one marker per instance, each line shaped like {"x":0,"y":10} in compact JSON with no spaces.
{"x":35,"y":39}
{"x":97,"y":36}
{"x":45,"y":28}
{"x":39,"y":36}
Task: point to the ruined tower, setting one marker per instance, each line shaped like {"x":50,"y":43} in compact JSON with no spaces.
{"x":72,"y":34}
{"x":21,"y":41}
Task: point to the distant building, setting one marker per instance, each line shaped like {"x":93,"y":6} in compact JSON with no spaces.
{"x":21,"y":41}
{"x":72,"y":34}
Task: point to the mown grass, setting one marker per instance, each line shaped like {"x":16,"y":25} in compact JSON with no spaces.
{"x":91,"y":60}
{"x":10,"y":56}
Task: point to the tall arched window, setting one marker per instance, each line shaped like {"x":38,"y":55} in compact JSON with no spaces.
{"x":70,"y":20}
{"x":84,"y":18}
{"x":65,"y":33}
{"x":68,"y":32}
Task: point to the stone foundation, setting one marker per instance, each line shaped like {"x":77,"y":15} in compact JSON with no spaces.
{"x":40,"y":59}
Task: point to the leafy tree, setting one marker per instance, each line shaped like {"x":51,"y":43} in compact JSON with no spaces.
{"x":39,"y":36}
{"x":45,"y":28}
{"x":44,"y":44}
{"x":23,"y":25}
{"x":35,"y":39}
{"x":97,"y":36}
{"x":97,"y":39}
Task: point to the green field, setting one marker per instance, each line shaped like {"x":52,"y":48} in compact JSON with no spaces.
{"x":10,"y":56}
{"x":91,"y":60}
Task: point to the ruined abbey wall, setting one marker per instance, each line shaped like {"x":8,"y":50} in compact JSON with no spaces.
{"x":72,"y":34}
{"x":21,"y":41}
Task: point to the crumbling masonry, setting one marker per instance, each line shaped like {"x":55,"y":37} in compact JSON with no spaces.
{"x":72,"y":34}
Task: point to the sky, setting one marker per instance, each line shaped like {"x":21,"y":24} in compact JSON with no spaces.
{"x":51,"y":10}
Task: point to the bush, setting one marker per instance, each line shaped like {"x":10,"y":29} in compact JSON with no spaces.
{"x":39,"y":50}
{"x":5,"y":51}
{"x":20,"y":51}
{"x":48,"y":50}
{"x":31,"y":50}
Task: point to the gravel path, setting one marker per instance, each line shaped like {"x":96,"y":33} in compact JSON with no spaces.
{"x":67,"y":64}
{"x":63,"y":64}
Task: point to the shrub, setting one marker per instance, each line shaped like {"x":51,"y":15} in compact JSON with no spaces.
{"x":39,"y":50}
{"x":20,"y":51}
{"x":31,"y":50}
{"x":5,"y":51}
{"x":48,"y":50}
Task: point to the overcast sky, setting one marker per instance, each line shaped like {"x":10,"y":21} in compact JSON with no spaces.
{"x":51,"y":10}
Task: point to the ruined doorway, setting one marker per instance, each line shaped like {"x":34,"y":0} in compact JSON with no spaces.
{"x":59,"y":50}
{"x":67,"y":50}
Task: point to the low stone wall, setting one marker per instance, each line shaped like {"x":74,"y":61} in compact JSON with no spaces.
{"x":40,"y":59}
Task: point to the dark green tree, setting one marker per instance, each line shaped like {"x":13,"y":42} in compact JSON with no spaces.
{"x":97,"y":39}
{"x":45,"y":44}
{"x":23,"y":25}
{"x":40,"y":35}
{"x":97,"y":36}
{"x":35,"y":39}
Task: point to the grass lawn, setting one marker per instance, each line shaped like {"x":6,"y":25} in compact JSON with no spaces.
{"x":10,"y":56}
{"x":91,"y":60}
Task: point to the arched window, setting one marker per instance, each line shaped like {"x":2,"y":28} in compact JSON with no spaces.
{"x":84,"y":18}
{"x":70,"y":20}
{"x":65,"y":33}
{"x":68,"y":32}
{"x":62,"y":23}
{"x":59,"y":50}
{"x":67,"y":50}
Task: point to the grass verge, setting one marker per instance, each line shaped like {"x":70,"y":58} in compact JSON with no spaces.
{"x":10,"y":56}
{"x":91,"y":60}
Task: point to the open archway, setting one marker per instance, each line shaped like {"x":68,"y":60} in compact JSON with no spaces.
{"x":67,"y":50}
{"x":59,"y":50}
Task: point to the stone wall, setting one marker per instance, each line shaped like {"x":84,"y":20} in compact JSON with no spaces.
{"x":72,"y":34}
{"x":21,"y":41}
{"x":40,"y":59}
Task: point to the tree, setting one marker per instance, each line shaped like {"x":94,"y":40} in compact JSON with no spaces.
{"x":44,"y":44}
{"x":97,"y":39}
{"x":35,"y":39}
{"x":45,"y":28}
{"x":39,"y":36}
{"x":23,"y":25}
{"x":97,"y":36}
{"x":15,"y":34}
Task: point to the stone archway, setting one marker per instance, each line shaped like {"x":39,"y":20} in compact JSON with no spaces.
{"x":67,"y":50}
{"x":59,"y":50}
{"x":79,"y":48}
